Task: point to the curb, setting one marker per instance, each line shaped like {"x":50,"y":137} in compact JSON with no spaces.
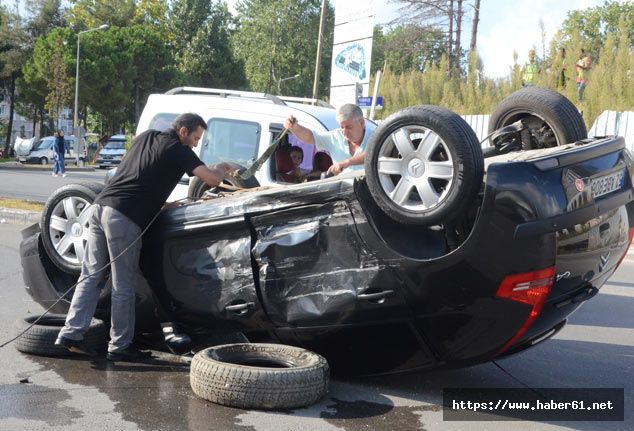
{"x":16,"y":216}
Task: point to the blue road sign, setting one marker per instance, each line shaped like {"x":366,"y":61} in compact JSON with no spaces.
{"x":366,"y":102}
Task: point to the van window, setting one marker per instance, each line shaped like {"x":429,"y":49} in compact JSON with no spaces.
{"x":115,"y":145}
{"x":228,"y":140}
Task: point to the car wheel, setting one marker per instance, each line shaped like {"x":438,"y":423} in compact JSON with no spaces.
{"x":198,"y":187}
{"x":65,"y":226}
{"x":265,"y":376}
{"x":424,"y":165}
{"x":43,"y":161}
{"x":40,"y":338}
{"x":549,"y":119}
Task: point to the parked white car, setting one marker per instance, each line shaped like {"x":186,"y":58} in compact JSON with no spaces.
{"x":42,"y":152}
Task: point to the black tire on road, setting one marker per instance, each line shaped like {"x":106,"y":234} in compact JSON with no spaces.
{"x":551,"y":118}
{"x":424,"y":165}
{"x":197,"y":187}
{"x":64,"y":218}
{"x":40,"y":339}
{"x":259,"y":376}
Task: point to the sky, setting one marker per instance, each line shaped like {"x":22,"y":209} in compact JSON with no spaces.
{"x":505,"y":26}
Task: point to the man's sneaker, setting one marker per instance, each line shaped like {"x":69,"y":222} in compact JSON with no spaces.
{"x":64,"y":175}
{"x":54,"y":174}
{"x":129,"y":354}
{"x":75,"y":346}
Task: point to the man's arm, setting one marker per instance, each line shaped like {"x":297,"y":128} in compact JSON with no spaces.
{"x":357,"y":159}
{"x":212,"y":176}
{"x":304,"y":134}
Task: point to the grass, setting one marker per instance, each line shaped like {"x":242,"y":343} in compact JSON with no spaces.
{"x":20,"y":204}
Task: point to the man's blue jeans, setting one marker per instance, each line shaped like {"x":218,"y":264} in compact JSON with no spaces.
{"x":111,"y":233}
{"x":58,"y":164}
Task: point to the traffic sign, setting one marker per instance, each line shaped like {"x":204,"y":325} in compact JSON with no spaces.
{"x":366,"y":102}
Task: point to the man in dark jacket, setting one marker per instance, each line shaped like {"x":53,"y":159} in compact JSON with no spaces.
{"x":58,"y":154}
{"x":129,"y":203}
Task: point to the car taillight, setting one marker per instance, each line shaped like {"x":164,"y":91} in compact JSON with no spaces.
{"x":630,"y":234}
{"x":530,"y":288}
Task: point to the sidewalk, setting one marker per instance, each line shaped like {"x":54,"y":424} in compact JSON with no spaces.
{"x":16,"y":216}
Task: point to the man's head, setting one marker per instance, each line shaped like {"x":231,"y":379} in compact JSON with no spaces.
{"x":190,"y":128}
{"x":297,"y":155}
{"x":531,"y":55}
{"x":60,"y":132}
{"x":351,"y":122}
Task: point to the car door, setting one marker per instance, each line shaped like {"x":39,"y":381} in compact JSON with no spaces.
{"x":315,"y":271}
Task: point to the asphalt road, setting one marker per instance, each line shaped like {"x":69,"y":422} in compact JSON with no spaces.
{"x":36,"y":184}
{"x":596,"y":349}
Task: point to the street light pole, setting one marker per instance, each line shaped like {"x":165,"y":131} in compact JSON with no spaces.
{"x":279,"y":91}
{"x":75,"y":125}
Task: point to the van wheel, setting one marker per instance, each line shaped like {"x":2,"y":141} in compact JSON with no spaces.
{"x":259,"y":376}
{"x":549,"y":118}
{"x":198,"y":187}
{"x":43,"y":161}
{"x":424,"y":165}
{"x":65,"y":225}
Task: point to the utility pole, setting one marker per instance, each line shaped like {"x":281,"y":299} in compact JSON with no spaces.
{"x":322,"y":19}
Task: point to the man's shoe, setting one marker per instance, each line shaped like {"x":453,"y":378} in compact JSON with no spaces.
{"x":129,"y":354}
{"x":64,"y":175}
{"x":178,"y":343}
{"x":75,"y":346}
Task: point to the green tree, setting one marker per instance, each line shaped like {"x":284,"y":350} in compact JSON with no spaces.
{"x":14,"y":53}
{"x":58,"y":84}
{"x":206,"y":59}
{"x":86,"y":14}
{"x":279,"y":42}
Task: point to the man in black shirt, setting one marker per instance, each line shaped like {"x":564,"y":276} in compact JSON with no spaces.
{"x":144,"y":180}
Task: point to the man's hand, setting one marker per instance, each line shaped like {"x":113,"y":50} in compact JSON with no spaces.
{"x":290,"y":122}
{"x":336,"y":168}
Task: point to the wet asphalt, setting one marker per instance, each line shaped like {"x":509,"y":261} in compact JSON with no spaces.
{"x":45,"y":393}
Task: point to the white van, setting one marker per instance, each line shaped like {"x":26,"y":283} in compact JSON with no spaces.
{"x":241,"y":125}
{"x":112,"y":153}
{"x":42,"y":152}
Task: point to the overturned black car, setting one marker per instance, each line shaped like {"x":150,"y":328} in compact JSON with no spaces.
{"x":435,"y":256}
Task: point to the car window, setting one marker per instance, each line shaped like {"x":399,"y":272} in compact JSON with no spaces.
{"x":162,"y":121}
{"x":230,"y":141}
{"x":43,"y":144}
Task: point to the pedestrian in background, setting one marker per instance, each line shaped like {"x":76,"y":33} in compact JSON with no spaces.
{"x":530,"y":69}
{"x":582,"y":66}
{"x":58,"y":154}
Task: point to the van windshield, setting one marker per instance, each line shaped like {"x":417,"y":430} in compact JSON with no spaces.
{"x":115,"y":145}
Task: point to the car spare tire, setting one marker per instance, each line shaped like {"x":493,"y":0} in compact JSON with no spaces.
{"x":424,"y":165}
{"x":198,"y":187}
{"x":64,"y":224}
{"x":40,"y":338}
{"x":549,"y":119}
{"x":259,"y":376}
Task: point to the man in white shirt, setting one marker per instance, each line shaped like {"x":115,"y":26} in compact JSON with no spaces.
{"x":346,"y":145}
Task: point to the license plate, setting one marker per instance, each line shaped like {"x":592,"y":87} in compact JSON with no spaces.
{"x":22,"y":159}
{"x":607,"y":184}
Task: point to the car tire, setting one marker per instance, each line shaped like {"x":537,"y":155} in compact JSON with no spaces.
{"x":424,"y":165}
{"x":198,"y":187}
{"x":40,"y":338}
{"x":64,"y":224}
{"x":43,"y":161}
{"x":259,"y":376}
{"x":551,"y":119}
